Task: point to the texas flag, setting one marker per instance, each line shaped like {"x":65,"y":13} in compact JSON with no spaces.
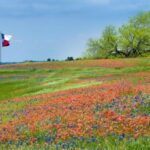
{"x":5,"y":39}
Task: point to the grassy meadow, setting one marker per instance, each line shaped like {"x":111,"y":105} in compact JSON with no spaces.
{"x":82,"y":104}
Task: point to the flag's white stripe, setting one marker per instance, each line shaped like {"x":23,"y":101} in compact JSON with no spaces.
{"x":7,"y":37}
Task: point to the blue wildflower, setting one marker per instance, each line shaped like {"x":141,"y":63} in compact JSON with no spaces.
{"x":121,"y":137}
{"x":82,"y":138}
{"x":93,"y":139}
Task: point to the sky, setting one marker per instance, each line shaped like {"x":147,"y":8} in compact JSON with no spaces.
{"x":57,"y":29}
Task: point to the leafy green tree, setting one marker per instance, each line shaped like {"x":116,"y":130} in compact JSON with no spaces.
{"x":109,"y":41}
{"x":94,"y":48}
{"x":132,"y":39}
{"x":103,"y":47}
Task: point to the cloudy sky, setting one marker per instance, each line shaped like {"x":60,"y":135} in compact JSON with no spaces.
{"x":44,"y":29}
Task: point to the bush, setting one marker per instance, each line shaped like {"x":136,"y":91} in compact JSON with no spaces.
{"x":69,"y":59}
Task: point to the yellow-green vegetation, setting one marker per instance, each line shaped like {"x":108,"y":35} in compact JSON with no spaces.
{"x":130,"y":40}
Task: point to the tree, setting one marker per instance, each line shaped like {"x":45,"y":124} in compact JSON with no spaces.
{"x":69,"y":58}
{"x":134,"y":37}
{"x":109,"y":41}
{"x":48,"y":59}
{"x":130,"y":40}
{"x":94,"y":47}
{"x":104,"y":46}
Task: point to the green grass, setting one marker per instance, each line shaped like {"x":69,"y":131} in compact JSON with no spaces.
{"x":108,"y":143}
{"x":31,"y":81}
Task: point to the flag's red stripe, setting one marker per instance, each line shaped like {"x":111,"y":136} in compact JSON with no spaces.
{"x":5,"y":43}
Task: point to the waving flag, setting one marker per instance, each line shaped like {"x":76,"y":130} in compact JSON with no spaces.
{"x":5,"y":39}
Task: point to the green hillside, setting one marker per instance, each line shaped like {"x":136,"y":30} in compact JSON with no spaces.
{"x":38,"y":78}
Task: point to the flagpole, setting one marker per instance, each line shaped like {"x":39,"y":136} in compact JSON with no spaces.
{"x":0,"y":48}
{"x":0,"y":54}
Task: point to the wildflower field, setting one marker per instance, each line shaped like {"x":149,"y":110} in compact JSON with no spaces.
{"x":84,"y":104}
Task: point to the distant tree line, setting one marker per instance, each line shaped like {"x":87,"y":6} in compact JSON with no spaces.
{"x":130,"y":40}
{"x":49,"y":59}
{"x":69,"y":58}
